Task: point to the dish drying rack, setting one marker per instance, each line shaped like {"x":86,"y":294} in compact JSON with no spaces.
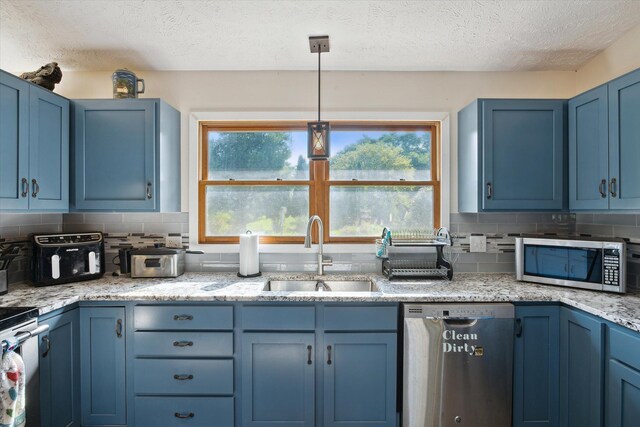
{"x":406,"y":253}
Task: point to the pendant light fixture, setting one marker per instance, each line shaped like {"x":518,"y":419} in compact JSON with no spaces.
{"x":318,"y":132}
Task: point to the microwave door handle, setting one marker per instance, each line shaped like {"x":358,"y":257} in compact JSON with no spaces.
{"x":92,"y":262}
{"x":55,"y":266}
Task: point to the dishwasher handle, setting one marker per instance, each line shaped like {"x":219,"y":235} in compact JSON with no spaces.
{"x":461,"y":322}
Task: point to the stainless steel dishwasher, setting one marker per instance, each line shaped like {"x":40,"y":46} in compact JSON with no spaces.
{"x":457,"y":365}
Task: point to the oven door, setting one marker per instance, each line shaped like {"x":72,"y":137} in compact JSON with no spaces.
{"x":576,"y":264}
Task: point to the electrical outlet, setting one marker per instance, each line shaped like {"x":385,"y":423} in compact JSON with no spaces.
{"x":477,"y":243}
{"x":173,"y":242}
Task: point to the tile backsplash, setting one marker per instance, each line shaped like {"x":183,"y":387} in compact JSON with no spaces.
{"x":15,"y":229}
{"x":146,"y":229}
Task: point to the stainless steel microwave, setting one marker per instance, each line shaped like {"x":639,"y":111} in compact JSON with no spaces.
{"x":584,"y":263}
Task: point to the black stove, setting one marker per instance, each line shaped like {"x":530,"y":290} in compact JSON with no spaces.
{"x":12,"y":316}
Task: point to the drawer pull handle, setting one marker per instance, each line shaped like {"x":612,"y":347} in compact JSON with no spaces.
{"x":183,"y":415}
{"x":309,"y":348}
{"x":149,"y":195}
{"x":35,"y":187}
{"x":182,"y":377}
{"x":183,"y":343}
{"x":603,"y":188}
{"x":25,"y":187}
{"x":518,"y":328}
{"x":47,"y":348}
{"x":328,"y":355}
{"x":119,"y":328}
{"x":613,"y":188}
{"x":489,"y":190}
{"x":183,"y":317}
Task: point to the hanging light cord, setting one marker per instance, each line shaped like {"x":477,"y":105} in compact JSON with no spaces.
{"x":319,"y":96}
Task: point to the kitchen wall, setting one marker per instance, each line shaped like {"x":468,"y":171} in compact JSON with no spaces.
{"x":619,"y":58}
{"x":15,"y":228}
{"x":342,"y":91}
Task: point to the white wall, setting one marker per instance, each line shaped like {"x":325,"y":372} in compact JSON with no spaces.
{"x":342,"y":91}
{"x":619,"y":58}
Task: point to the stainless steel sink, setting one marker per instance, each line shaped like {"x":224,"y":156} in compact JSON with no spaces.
{"x":321,"y":286}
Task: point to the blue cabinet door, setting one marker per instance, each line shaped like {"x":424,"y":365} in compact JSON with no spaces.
{"x":278,"y":379}
{"x":581,"y":369}
{"x":14,"y":142}
{"x":623,"y":408}
{"x":589,"y":150}
{"x":114,"y":155}
{"x":60,"y":371}
{"x":523,"y":148}
{"x":359,"y":379}
{"x":624,"y":141}
{"x":536,"y":361}
{"x":48,"y":150}
{"x":102,"y":360}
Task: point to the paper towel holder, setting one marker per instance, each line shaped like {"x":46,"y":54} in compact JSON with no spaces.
{"x":258,"y":274}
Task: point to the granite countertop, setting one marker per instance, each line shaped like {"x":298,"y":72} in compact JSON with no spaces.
{"x":465,"y":287}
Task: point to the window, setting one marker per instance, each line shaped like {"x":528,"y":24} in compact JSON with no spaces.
{"x":255,"y":176}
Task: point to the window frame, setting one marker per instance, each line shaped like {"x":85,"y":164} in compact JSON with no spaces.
{"x":319,"y":182}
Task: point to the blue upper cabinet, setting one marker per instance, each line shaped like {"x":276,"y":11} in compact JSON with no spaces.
{"x":126,"y":156}
{"x":581,"y":369}
{"x":14,"y":142}
{"x":34,"y":141}
{"x":49,"y":150}
{"x":589,"y":150}
{"x":604,"y":145}
{"x":624,"y":141}
{"x":535,"y":366}
{"x":511,"y":155}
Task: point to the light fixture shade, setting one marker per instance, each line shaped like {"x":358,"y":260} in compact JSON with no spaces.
{"x":318,"y":140}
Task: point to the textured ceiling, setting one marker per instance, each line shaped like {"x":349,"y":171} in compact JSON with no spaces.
{"x":272,"y":35}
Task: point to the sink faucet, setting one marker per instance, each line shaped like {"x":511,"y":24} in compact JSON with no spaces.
{"x":322,"y":260}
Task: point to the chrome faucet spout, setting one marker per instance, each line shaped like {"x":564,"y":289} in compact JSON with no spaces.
{"x":322,"y":262}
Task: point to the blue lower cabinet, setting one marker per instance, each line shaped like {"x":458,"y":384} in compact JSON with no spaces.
{"x":359,"y":379}
{"x":536,"y":366}
{"x":581,"y":369}
{"x":102,"y":356}
{"x":184,"y":411}
{"x":622,"y":400}
{"x":278,"y":379}
{"x":60,"y":371}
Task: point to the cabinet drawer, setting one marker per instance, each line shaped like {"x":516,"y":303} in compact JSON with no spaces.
{"x":196,"y":411}
{"x":345,"y":318}
{"x":183,"y":344}
{"x":624,"y":345}
{"x":181,"y":317}
{"x":275,"y":318}
{"x":183,"y":376}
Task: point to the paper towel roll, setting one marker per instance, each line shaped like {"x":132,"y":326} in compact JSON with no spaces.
{"x":249,"y":256}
